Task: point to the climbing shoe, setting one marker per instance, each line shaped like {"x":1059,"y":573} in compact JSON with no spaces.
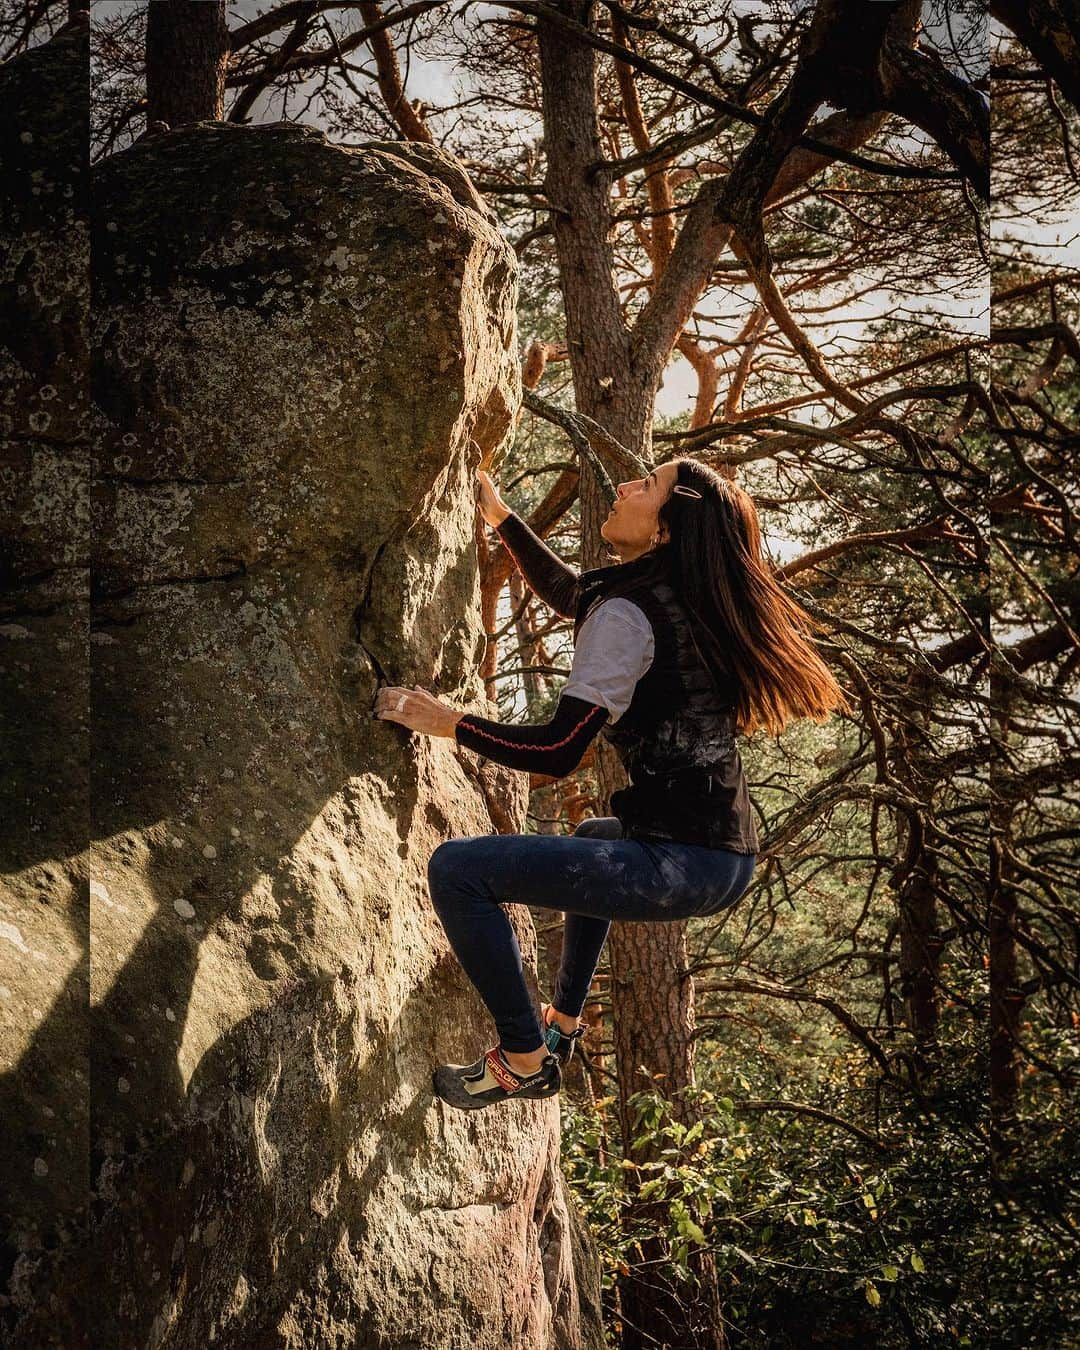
{"x":471,"y":1087}
{"x":560,"y":1043}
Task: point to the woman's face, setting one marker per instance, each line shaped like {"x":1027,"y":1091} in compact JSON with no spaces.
{"x":632,"y":523}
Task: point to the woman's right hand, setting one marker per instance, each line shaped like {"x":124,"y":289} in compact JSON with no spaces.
{"x":492,"y":507}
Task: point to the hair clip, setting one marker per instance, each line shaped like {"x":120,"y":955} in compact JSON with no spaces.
{"x":686,"y":491}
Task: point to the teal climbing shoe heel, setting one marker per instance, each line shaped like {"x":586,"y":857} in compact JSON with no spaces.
{"x":561,"y":1043}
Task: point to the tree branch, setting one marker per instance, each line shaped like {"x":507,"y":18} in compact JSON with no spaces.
{"x":782,"y":991}
{"x":803,"y":1109}
{"x":284,"y":15}
{"x":957,"y":117}
{"x":1050,"y":30}
{"x":584,"y":434}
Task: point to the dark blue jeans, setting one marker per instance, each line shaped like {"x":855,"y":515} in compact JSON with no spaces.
{"x":593,"y":877}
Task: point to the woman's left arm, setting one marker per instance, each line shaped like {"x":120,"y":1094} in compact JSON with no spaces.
{"x":614,"y":650}
{"x":554,"y":748}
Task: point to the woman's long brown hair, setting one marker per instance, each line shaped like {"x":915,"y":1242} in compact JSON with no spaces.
{"x":744,"y":624}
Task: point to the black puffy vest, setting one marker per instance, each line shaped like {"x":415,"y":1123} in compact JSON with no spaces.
{"x":676,"y":740}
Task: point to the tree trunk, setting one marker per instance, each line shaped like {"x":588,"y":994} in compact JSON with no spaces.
{"x":913,"y":878}
{"x":652,"y":1001}
{"x":1006,"y":996}
{"x":920,"y":960}
{"x":1006,"y":1006}
{"x":187,"y":51}
{"x":491,"y":580}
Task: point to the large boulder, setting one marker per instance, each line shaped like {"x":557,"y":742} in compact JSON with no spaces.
{"x":301,"y":353}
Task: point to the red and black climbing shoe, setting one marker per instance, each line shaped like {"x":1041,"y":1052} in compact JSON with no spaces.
{"x":560,"y":1043}
{"x":471,"y":1087}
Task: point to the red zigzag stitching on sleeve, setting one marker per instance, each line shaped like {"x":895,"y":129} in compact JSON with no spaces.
{"x":517,"y":745}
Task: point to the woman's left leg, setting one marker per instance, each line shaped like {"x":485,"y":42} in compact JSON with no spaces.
{"x":584,"y":935}
{"x":470,"y":879}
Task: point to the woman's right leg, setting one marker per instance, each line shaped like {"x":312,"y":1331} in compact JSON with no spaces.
{"x":471,"y":879}
{"x":583,"y":935}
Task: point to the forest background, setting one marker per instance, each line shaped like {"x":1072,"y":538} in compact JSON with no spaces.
{"x":837,"y":261}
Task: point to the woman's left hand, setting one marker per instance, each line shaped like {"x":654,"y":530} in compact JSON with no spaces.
{"x":416,"y":709}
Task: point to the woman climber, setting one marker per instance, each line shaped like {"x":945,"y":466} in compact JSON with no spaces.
{"x":684,"y":642}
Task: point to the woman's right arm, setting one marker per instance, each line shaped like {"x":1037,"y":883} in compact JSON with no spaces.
{"x":544,"y":571}
{"x":547,"y":575}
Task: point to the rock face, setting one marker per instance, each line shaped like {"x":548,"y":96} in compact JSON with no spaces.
{"x":44,"y":669}
{"x":300,"y":353}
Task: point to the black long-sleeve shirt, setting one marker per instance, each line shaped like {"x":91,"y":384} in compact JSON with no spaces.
{"x":545,"y":572}
{"x":554,"y":747}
